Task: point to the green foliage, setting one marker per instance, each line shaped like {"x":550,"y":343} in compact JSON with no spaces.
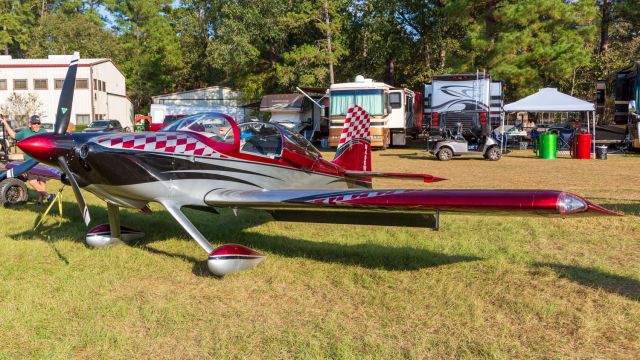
{"x":151,"y":47}
{"x":17,"y":18}
{"x":271,"y":46}
{"x":62,"y":33}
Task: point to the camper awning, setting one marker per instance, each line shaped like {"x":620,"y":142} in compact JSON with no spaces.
{"x":282,"y":102}
{"x":549,"y":100}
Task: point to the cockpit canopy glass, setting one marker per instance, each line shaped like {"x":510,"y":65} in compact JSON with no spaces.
{"x":300,"y":141}
{"x":213,"y":125}
{"x":262,"y":139}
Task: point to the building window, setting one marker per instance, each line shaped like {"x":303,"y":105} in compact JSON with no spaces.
{"x":58,"y":84}
{"x":104,"y":86}
{"x":95,"y":85}
{"x":40,"y":84}
{"x":3,"y":84}
{"x":82,"y":119}
{"x":20,"y":84}
{"x":82,"y":84}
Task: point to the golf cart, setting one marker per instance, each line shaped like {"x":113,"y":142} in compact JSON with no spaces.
{"x":464,"y":142}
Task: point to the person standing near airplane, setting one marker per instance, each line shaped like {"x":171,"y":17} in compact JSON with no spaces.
{"x":35,"y":127}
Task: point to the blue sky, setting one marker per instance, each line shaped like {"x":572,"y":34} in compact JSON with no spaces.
{"x":110,"y":19}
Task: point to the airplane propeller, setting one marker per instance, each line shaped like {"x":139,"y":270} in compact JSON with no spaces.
{"x":63,"y":117}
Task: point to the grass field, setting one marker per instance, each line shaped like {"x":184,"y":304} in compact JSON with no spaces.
{"x":486,"y":287}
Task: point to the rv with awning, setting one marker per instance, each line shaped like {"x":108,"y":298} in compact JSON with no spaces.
{"x":297,"y":112}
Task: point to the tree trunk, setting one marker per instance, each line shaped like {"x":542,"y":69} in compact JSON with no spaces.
{"x":443,"y":58}
{"x":490,"y":23}
{"x":427,"y":56}
{"x":390,"y":71}
{"x":605,"y":9}
{"x":328,"y":23}
{"x":365,"y":44}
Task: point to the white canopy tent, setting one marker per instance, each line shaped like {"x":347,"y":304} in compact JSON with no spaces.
{"x":550,"y":100}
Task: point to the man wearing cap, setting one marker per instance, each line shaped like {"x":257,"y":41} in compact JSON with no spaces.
{"x":37,"y":182}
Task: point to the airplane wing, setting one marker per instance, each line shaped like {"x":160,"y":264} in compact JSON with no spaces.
{"x":310,"y":205}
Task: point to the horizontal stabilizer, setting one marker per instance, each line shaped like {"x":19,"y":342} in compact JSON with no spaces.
{"x":376,"y":174}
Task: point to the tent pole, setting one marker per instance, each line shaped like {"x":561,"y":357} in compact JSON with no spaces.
{"x":594,"y":133}
{"x":502,"y":148}
{"x":590,"y":130}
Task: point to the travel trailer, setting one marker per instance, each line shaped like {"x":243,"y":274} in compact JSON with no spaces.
{"x":474,"y":101}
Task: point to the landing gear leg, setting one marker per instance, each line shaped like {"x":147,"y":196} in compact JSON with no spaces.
{"x":113,"y":232}
{"x":114,"y":222}
{"x":177,"y":214}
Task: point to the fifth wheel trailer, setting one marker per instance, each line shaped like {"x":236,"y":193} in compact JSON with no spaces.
{"x":473,"y":100}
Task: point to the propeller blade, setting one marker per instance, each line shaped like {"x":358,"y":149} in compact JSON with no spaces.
{"x":63,"y":116}
{"x":84,"y":210}
{"x":19,"y":170}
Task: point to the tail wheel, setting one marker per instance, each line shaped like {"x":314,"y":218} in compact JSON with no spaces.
{"x":493,"y":154}
{"x":13,"y":191}
{"x":444,"y":154}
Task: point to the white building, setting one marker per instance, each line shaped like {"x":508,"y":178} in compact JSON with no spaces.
{"x":210,"y":99}
{"x":100,"y":91}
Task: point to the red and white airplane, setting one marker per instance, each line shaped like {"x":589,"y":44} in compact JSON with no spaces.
{"x":208,"y":161}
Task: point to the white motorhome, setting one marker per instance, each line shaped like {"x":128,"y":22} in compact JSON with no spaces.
{"x":473,"y":100}
{"x":391,"y":110}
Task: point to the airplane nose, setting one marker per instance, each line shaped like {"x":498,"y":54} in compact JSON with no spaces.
{"x":47,"y":147}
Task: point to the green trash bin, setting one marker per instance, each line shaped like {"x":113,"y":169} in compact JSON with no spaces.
{"x":142,"y":126}
{"x":548,"y":146}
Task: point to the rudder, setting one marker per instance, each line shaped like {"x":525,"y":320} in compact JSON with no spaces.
{"x":354,"y":148}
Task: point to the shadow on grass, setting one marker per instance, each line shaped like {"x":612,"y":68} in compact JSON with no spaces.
{"x":597,"y":279}
{"x":421,"y":155}
{"x":533,"y":157}
{"x":428,"y":156}
{"x":228,"y":228}
{"x":631,"y":208}
{"x":626,"y":209}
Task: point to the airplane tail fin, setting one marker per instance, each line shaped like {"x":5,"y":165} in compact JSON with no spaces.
{"x":354,"y":148}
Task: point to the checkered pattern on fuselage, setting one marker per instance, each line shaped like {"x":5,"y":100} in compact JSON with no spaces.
{"x":174,"y":143}
{"x":356,"y":125}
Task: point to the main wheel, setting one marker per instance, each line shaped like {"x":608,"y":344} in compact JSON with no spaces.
{"x":444,"y":154}
{"x":493,"y":154}
{"x":12,"y":192}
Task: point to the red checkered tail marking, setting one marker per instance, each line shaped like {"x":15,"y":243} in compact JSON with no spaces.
{"x":354,"y":148}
